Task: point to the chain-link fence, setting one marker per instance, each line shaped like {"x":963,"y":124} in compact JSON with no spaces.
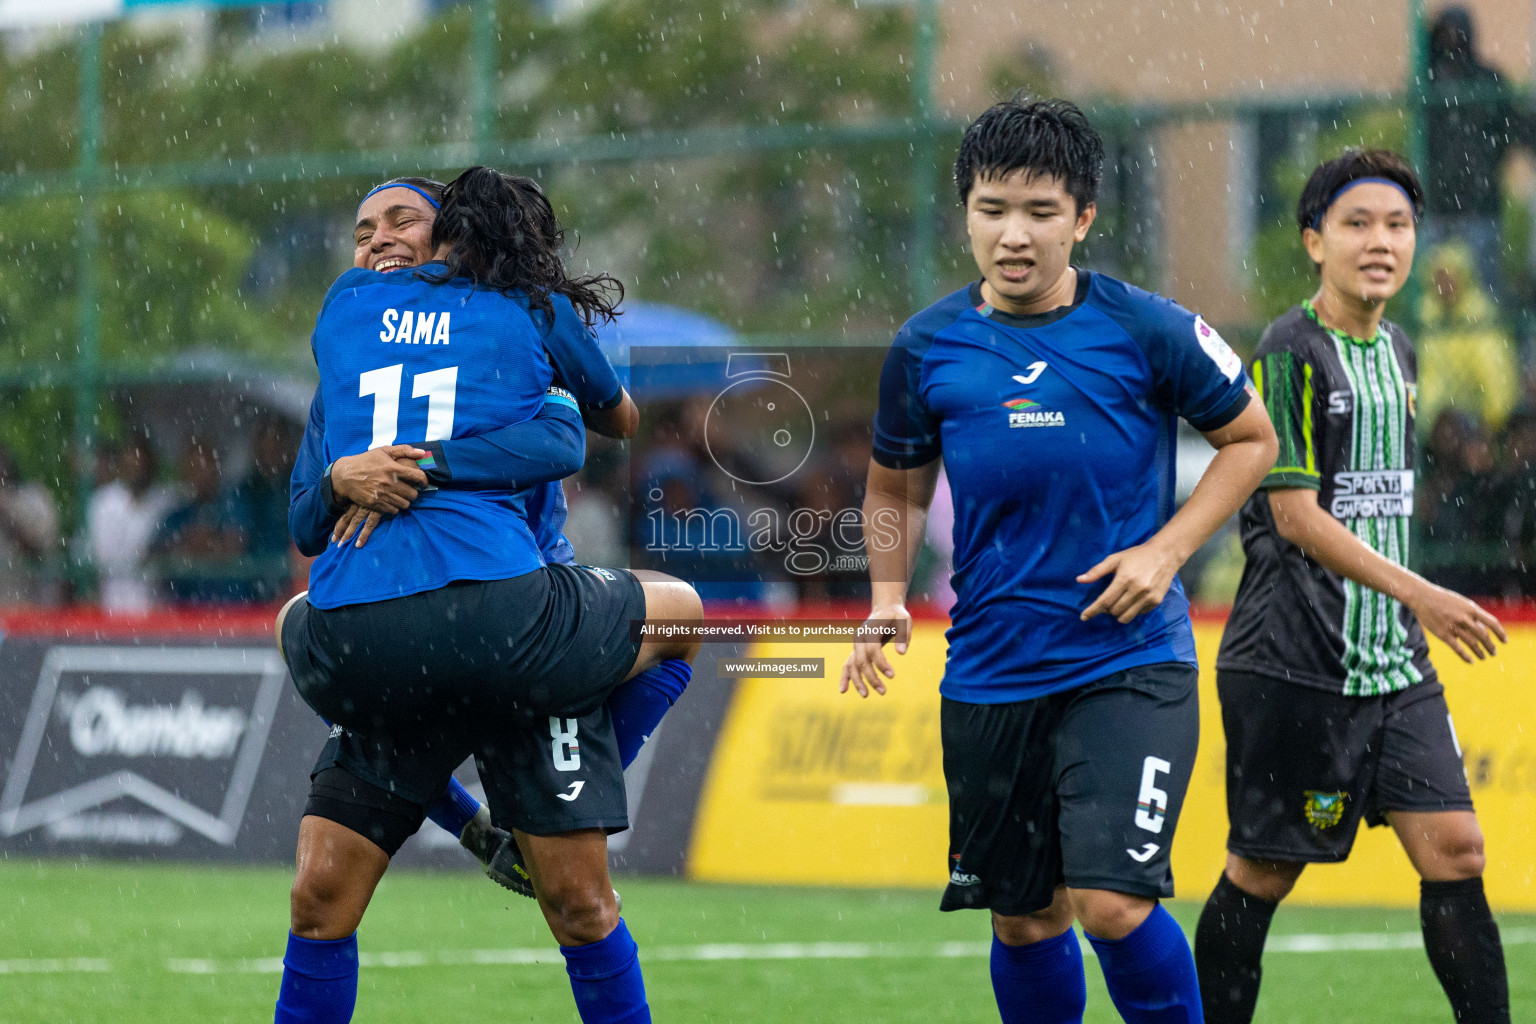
{"x":179,"y":200}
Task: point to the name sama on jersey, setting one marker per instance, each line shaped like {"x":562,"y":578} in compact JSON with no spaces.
{"x":414,"y":327}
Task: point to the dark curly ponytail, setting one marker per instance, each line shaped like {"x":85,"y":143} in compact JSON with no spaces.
{"x":501,"y":232}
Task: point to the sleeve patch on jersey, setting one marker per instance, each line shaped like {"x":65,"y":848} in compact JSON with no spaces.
{"x":560,"y":396}
{"x":1226,"y":360}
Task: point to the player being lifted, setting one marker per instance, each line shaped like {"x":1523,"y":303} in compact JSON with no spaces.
{"x":1069,"y":718}
{"x":1331,"y":707}
{"x":449,"y":634}
{"x":393,"y":234}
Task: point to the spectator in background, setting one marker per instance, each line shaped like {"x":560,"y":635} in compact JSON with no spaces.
{"x":121,"y":522}
{"x":1442,"y":470}
{"x":1466,"y":357}
{"x":1470,"y":125}
{"x":1461,"y":507}
{"x":29,"y":538}
{"x":203,"y":539}
{"x":263,"y":497}
{"x":1517,"y":502}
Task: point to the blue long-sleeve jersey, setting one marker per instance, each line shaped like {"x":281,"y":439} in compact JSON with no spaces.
{"x":403,"y":356}
{"x":535,"y":454}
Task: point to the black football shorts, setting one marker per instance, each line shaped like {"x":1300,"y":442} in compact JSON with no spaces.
{"x":1082,"y":788}
{"x":421,"y":682}
{"x":550,"y":776}
{"x":1304,"y":765}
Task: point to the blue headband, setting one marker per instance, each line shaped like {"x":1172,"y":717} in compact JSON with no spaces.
{"x":1317,"y":218}
{"x":400,"y":184}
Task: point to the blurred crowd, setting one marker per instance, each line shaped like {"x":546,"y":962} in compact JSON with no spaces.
{"x":1476,"y":503}
{"x":689,"y":503}
{"x":149,"y":539}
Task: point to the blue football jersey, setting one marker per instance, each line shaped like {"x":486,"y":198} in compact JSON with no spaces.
{"x":1057,"y":434}
{"x":581,"y":366}
{"x":402,"y":358}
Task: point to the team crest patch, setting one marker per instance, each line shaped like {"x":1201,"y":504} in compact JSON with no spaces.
{"x":1324,"y":810}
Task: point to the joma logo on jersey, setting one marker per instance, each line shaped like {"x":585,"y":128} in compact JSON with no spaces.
{"x":414,"y":328}
{"x":1024,"y":412}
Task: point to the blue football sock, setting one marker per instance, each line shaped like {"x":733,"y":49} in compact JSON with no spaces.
{"x":1041,"y":983}
{"x":1151,"y":974}
{"x":454,"y":808}
{"x":638,"y":705}
{"x":319,"y":981}
{"x":605,"y":978}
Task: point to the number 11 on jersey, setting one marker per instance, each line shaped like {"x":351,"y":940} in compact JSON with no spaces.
{"x":436,"y":386}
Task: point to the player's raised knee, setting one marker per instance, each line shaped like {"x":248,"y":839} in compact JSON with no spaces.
{"x":282,"y":617}
{"x":667,"y":597}
{"x":671,"y":600}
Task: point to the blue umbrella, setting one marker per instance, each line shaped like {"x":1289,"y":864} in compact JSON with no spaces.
{"x":664,"y":353}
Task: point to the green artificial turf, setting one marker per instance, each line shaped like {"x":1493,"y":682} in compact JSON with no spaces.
{"x":133,"y":923}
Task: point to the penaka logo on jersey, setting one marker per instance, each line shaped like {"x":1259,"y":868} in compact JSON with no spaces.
{"x":1024,"y":412}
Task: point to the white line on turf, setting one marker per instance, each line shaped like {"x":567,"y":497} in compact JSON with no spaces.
{"x":75,"y":965}
{"x":1345,"y":942}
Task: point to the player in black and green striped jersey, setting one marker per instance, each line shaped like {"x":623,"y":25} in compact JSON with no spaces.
{"x":1332,"y":710}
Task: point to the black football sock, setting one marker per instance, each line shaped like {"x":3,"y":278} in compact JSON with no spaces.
{"x":1464,"y":949}
{"x":1229,"y":950}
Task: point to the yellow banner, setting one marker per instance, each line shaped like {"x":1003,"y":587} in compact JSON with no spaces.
{"x":811,"y":787}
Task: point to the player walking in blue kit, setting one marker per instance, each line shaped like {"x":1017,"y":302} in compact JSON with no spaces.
{"x":1069,"y":719}
{"x":448,"y":635}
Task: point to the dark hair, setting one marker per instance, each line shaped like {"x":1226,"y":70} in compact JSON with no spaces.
{"x":1351,"y":165}
{"x":431,"y":186}
{"x":501,"y":231}
{"x":1050,"y":137}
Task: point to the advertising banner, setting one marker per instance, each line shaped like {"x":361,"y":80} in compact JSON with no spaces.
{"x":184,"y":740}
{"x":162,"y":748}
{"x":852,"y":790}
